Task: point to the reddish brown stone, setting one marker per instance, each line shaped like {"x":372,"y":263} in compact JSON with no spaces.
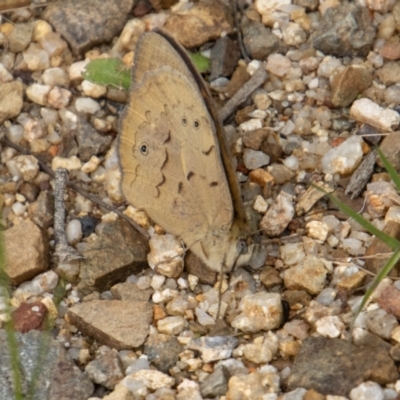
{"x":374,"y":264}
{"x":389,"y":300}
{"x":391,"y":51}
{"x":29,"y":316}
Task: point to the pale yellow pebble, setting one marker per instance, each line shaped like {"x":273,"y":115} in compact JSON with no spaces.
{"x":41,"y":29}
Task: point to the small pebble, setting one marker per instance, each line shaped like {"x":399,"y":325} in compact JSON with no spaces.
{"x":86,"y":105}
{"x":73,"y":231}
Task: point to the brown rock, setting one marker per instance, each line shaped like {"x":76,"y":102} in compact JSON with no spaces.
{"x":162,"y":4}
{"x":116,"y":323}
{"x":309,"y":5}
{"x":239,"y":78}
{"x":313,"y":395}
{"x":389,"y":300}
{"x":26,"y":247}
{"x":270,"y":147}
{"x":261,"y":177}
{"x":254,"y":139}
{"x":29,"y":316}
{"x":242,"y":115}
{"x":391,"y":51}
{"x":355,"y":204}
{"x":310,"y":276}
{"x":201,"y":23}
{"x":195,"y":266}
{"x":29,"y":190}
{"x":130,"y":291}
{"x":396,"y":14}
{"x":270,"y":277}
{"x":395,"y":352}
{"x":281,"y":173}
{"x":390,"y":147}
{"x":86,"y":24}
{"x":118,"y":252}
{"x":335,"y":366}
{"x":42,"y":210}
{"x":375,"y":264}
{"x":8,"y":187}
{"x":296,"y":297}
{"x":11,"y":100}
{"x":349,"y":83}
{"x":352,"y":282}
{"x":158,"y":312}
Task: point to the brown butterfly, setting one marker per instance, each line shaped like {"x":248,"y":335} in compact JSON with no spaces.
{"x":174,"y":160}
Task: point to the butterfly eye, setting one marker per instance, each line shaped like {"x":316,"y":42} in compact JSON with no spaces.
{"x":184,"y":121}
{"x":144,"y":149}
{"x":196,"y":124}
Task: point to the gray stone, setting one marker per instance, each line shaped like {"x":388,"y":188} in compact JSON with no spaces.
{"x":87,"y":24}
{"x":346,"y":30}
{"x":162,"y":351}
{"x":106,"y":369}
{"x":58,"y":377}
{"x":214,"y":348}
{"x":118,"y":252}
{"x":335,"y":366}
{"x":216,"y":384}
{"x":224,"y":57}
{"x":90,"y":142}
{"x":259,"y":41}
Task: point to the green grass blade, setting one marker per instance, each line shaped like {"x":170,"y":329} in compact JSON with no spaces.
{"x":201,"y":63}
{"x":108,"y":72}
{"x":383,"y":273}
{"x":394,"y":176}
{"x":373,"y":230}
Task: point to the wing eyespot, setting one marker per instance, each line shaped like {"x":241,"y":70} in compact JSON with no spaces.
{"x":196,"y":124}
{"x":144,"y":149}
{"x":184,"y":121}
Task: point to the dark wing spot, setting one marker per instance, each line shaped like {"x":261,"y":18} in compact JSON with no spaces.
{"x":180,"y":187}
{"x":190,"y":175}
{"x":168,"y":137}
{"x":209,"y":150}
{"x":212,"y":184}
{"x":160,"y":184}
{"x":165,"y":161}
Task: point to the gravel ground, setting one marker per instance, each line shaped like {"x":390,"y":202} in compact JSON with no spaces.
{"x":126,"y":326}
